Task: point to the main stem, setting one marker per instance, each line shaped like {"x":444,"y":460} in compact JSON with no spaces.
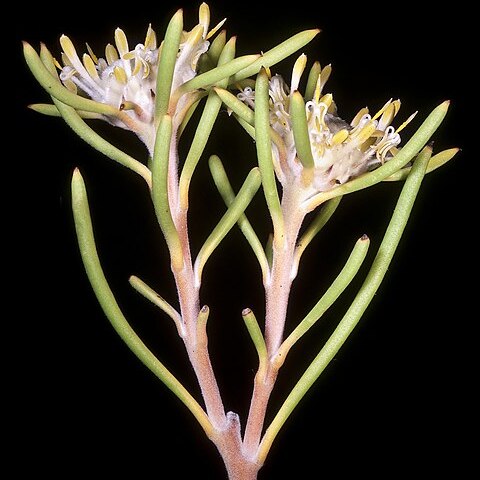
{"x":226,"y":435}
{"x":277,"y":293}
{"x":188,"y":295}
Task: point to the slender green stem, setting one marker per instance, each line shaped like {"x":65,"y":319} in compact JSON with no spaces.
{"x":229,"y":219}
{"x":160,"y":196}
{"x":150,"y":294}
{"x":257,"y":339}
{"x":226,"y":191}
{"x":360,"y":303}
{"x":264,"y":154}
{"x":110,"y":306}
{"x":411,"y":148}
{"x":338,"y":286}
{"x":166,"y":64}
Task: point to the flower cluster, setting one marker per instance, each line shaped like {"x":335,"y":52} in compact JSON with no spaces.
{"x":126,"y":78}
{"x":341,"y":151}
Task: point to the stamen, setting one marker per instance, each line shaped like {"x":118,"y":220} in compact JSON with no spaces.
{"x":214,"y":30}
{"x":120,"y":75}
{"x":359,"y":116}
{"x":90,"y":52}
{"x":339,"y":137}
{"x":90,"y":66}
{"x":121,"y":42}
{"x":298,"y":70}
{"x":407,"y":121}
{"x":380,"y":112}
{"x":151,"y":39}
{"x":111,"y":54}
{"x":204,"y":18}
{"x":322,"y":80}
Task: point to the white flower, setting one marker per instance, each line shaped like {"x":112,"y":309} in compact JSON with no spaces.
{"x":127,"y":78}
{"x":341,"y":150}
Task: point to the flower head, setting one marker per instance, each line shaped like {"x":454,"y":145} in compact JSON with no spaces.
{"x":341,"y":150}
{"x":126,"y":78}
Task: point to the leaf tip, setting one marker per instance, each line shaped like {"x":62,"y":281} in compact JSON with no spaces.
{"x":445,"y":105}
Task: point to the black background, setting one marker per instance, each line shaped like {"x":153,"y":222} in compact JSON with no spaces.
{"x":397,"y":399}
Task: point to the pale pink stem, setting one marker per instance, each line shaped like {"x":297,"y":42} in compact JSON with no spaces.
{"x":277,"y":293}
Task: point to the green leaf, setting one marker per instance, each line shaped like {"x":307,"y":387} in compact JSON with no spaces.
{"x":360,"y":303}
{"x":87,"y":134}
{"x":160,"y":163}
{"x":322,"y":217}
{"x":166,"y":63}
{"x":258,"y":340}
{"x":277,"y":54}
{"x":106,"y":298}
{"x":435,"y":162}
{"x":52,"y":111}
{"x":264,"y":153}
{"x":204,"y":129}
{"x":300,"y":130}
{"x":141,"y":287}
{"x":211,"y":77}
{"x":229,"y":219}
{"x":338,"y":286}
{"x":57,"y":90}
{"x":312,"y":80}
{"x":226,"y":191}
{"x":236,"y":105}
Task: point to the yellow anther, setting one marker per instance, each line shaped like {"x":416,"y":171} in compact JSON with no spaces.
{"x":121,"y":42}
{"x":366,"y":132}
{"x":387,"y":117}
{"x":297,"y":72}
{"x":70,"y":85}
{"x":111,"y":54}
{"x":339,"y":137}
{"x":195,"y":35}
{"x":327,"y":99}
{"x":90,"y":66}
{"x":138,"y":65}
{"x":151,"y":39}
{"x":406,"y":122}
{"x":322,"y":80}
{"x":68,"y":48}
{"x":57,"y":63}
{"x":90,"y":52}
{"x":359,"y":116}
{"x":204,"y":17}
{"x":380,"y":112}
{"x":120,"y":75}
{"x":215,"y":29}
